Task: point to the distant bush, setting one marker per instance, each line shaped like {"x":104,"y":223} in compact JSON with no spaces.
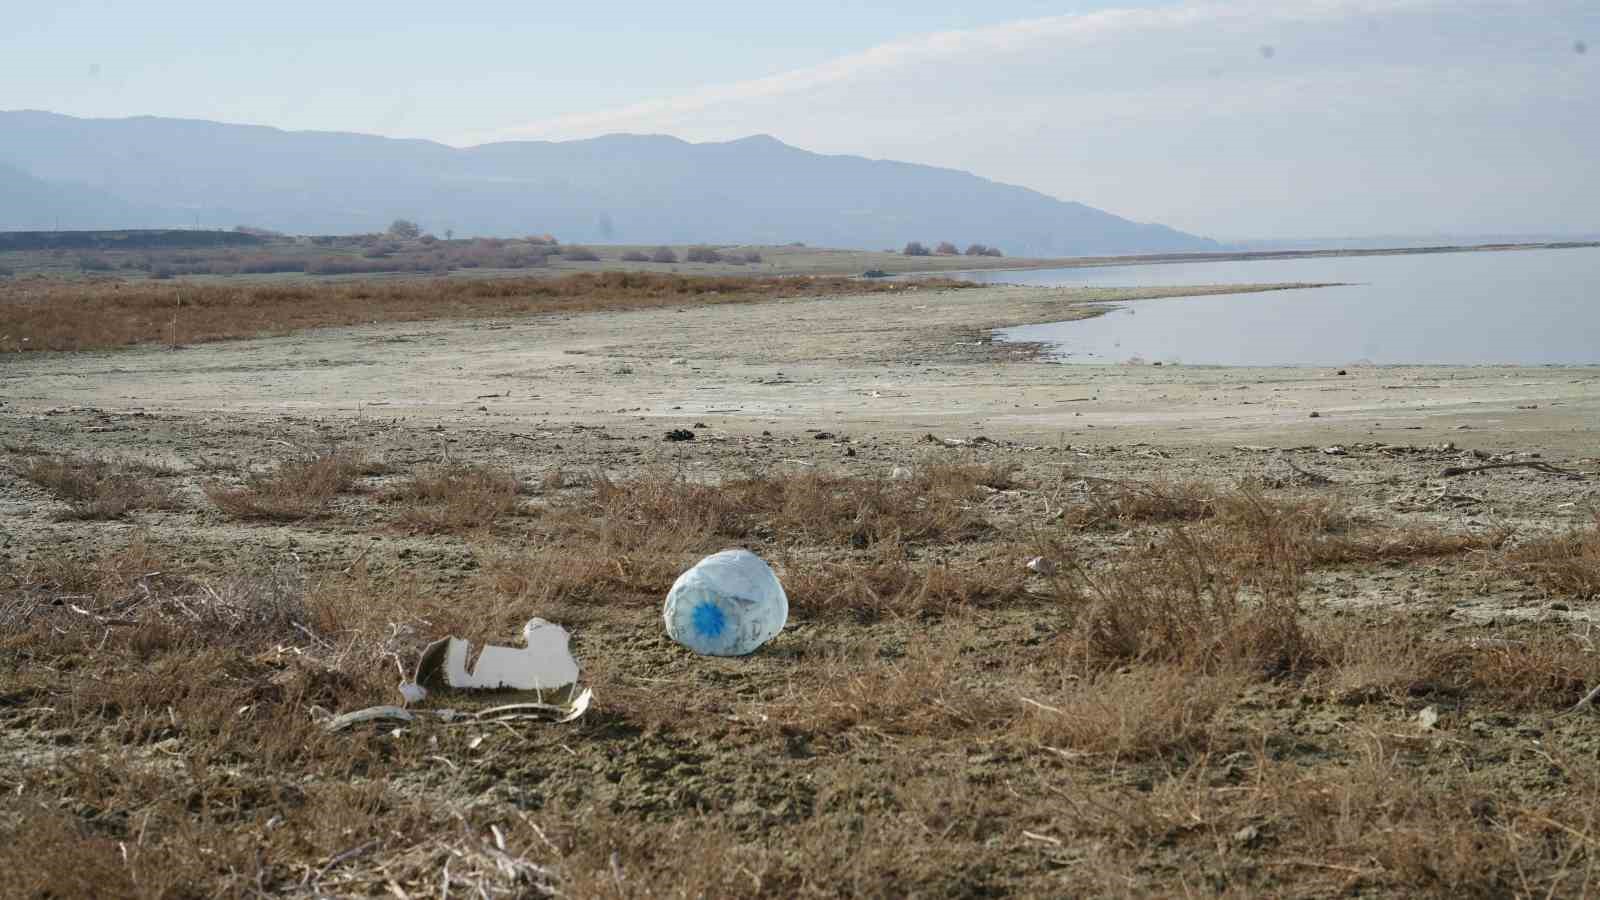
{"x":405,"y":230}
{"x":347,"y":265}
{"x":946,"y":248}
{"x":90,"y":263}
{"x":663,"y":255}
{"x":635,"y":256}
{"x":701,"y":253}
{"x":7,"y":271}
{"x":915,"y":248}
{"x":579,"y":254}
{"x":428,"y":240}
{"x":992,"y":251}
{"x":268,"y":265}
{"x":977,"y":250}
{"x":752,"y":256}
{"x":253,"y":231}
{"x":543,"y":240}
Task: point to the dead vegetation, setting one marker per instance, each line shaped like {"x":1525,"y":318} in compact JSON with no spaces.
{"x":296,"y":489}
{"x":41,"y":314}
{"x":1566,"y":565}
{"x":99,"y":489}
{"x":937,"y":720}
{"x":454,"y":498}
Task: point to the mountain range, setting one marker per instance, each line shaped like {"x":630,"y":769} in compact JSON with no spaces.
{"x":61,"y":171}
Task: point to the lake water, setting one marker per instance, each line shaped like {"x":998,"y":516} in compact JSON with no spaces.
{"x":1523,"y":307}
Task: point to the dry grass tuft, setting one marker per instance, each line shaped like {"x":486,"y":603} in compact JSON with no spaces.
{"x":1132,"y":713}
{"x":1567,"y":564}
{"x":455,"y":498}
{"x":1186,"y":604}
{"x":298,"y":489}
{"x":940,"y":504}
{"x":1119,"y":504}
{"x":98,"y":489}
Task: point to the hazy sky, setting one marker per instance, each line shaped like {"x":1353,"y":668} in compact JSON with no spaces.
{"x":1256,"y":118}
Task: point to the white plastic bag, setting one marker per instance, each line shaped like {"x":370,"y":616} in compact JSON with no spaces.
{"x":729,"y":604}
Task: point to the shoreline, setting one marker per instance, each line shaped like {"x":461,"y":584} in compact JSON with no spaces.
{"x":1156,"y":259}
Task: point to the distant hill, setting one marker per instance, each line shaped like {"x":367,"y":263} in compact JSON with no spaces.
{"x":28,"y":202}
{"x":621,"y":188}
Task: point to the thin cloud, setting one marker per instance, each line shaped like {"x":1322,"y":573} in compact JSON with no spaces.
{"x":1108,"y":26}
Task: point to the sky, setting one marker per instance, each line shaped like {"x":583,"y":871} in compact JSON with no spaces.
{"x":1239,"y":119}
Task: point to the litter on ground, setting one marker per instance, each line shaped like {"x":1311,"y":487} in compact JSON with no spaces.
{"x":728,"y":604}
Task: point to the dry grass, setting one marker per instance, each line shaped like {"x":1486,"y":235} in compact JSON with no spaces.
{"x":78,"y":315}
{"x":938,"y":505}
{"x":1169,"y":715}
{"x":454,"y":498}
{"x":99,"y":489}
{"x":1566,"y":565}
{"x":297,"y":489}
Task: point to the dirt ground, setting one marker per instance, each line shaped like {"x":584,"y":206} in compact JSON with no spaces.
{"x":936,"y":720}
{"x":903,"y":364}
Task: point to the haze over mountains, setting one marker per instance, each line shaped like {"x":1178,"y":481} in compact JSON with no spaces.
{"x":62,"y":171}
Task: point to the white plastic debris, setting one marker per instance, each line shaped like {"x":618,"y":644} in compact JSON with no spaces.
{"x":545,"y":664}
{"x":1041,"y":566}
{"x":900,"y":473}
{"x":729,"y":604}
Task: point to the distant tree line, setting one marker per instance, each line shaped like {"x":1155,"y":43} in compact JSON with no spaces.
{"x":946,"y":248}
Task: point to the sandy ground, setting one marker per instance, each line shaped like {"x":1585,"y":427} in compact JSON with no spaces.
{"x":899,"y":364}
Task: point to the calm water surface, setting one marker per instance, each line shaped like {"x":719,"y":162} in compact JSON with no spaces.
{"x":1525,"y":307}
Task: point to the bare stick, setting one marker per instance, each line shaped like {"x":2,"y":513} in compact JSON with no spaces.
{"x":1586,"y":702}
{"x":1313,"y":477}
{"x":1528,"y":464}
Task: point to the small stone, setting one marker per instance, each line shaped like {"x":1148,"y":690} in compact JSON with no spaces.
{"x":823,"y":436}
{"x":1316,"y":415}
{"x":680,"y":434}
{"x":1041,"y":566}
{"x":1247,"y":835}
{"x":1343,"y":372}
{"x":900,"y":473}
